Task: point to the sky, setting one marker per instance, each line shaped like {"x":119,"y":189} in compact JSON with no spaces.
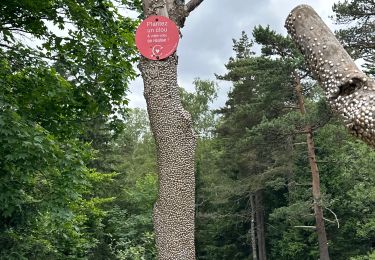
{"x":206,"y":44}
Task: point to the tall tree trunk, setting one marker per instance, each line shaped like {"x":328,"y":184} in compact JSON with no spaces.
{"x":318,"y":211}
{"x":290,"y":173}
{"x":320,"y":229}
{"x":260,"y":225}
{"x":350,"y":92}
{"x":252,"y":227}
{"x":175,"y":143}
{"x":171,"y":125}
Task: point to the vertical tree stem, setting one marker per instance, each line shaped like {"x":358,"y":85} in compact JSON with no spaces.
{"x":260,"y":225}
{"x":252,"y":227}
{"x":318,"y":211}
{"x":171,"y":126}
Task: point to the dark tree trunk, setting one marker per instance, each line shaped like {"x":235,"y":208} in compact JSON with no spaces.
{"x":260,"y":225}
{"x":349,"y":91}
{"x":290,"y":173}
{"x":318,"y":211}
{"x":252,"y":228}
{"x":175,"y":143}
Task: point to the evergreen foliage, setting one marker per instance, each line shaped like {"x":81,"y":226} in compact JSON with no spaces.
{"x":260,"y":146}
{"x":358,"y":35}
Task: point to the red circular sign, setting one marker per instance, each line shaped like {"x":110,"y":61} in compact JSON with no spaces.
{"x":157,"y":37}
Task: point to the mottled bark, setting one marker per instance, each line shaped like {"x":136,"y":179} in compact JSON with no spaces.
{"x":260,"y":225}
{"x":318,"y":211}
{"x":349,"y":91}
{"x":175,"y":141}
{"x":171,"y":125}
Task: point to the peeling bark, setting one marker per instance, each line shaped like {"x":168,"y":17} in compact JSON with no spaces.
{"x":350,"y":92}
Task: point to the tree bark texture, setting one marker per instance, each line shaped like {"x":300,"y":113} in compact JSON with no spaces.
{"x":318,"y":211}
{"x":252,"y":228}
{"x":260,"y":225}
{"x":350,"y":92}
{"x":171,"y":125}
{"x":175,"y":142}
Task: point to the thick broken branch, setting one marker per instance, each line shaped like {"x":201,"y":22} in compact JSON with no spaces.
{"x":350,"y":92}
{"x":192,"y":4}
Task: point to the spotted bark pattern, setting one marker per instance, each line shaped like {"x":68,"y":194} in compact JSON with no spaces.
{"x":350,"y":92}
{"x":174,"y":210}
{"x":172,"y":128}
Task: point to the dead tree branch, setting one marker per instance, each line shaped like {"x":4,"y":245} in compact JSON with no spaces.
{"x":334,"y":214}
{"x":192,"y":4}
{"x":350,"y":92}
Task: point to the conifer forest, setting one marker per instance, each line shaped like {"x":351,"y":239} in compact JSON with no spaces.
{"x":280,"y":167}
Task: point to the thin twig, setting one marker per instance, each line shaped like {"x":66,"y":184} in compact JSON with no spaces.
{"x":312,"y":227}
{"x":333,"y":213}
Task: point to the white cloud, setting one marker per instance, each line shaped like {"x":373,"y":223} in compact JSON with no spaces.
{"x":207,"y":37}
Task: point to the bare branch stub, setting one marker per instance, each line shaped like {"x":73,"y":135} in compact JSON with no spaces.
{"x":192,"y":4}
{"x":350,"y":92}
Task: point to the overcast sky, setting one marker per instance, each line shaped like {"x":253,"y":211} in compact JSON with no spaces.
{"x":206,"y":44}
